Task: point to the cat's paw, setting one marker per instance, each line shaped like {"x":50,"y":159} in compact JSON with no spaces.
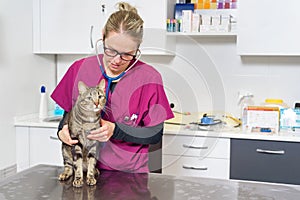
{"x":78,"y":182}
{"x":91,"y":181}
{"x":64,"y":176}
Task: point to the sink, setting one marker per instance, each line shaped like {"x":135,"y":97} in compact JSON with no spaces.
{"x":53,"y":119}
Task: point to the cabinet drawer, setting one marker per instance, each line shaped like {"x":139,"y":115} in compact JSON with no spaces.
{"x":196,"y":146}
{"x":269,"y":161}
{"x":192,"y":166}
{"x":45,"y":148}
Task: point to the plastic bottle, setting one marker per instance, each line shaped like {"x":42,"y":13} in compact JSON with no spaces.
{"x":43,"y":111}
{"x":58,"y":111}
{"x":245,"y":100}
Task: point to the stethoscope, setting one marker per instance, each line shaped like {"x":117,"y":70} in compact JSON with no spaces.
{"x":108,"y":78}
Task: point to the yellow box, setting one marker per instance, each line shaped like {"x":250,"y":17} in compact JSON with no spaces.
{"x":207,"y":5}
{"x":200,"y":6}
{"x":213,"y":5}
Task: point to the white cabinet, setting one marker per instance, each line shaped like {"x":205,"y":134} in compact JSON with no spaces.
{"x":263,"y":160}
{"x":195,"y":166}
{"x":69,"y":26}
{"x":45,"y":147}
{"x":73,"y":26}
{"x":196,"y":156}
{"x":22,"y":148}
{"x":37,"y":145}
{"x":268,"y":27}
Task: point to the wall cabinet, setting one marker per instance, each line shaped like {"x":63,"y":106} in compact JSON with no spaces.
{"x":268,"y":28}
{"x":37,"y":146}
{"x":73,"y":26}
{"x":270,"y":161}
{"x":69,"y":26}
{"x":195,"y":156}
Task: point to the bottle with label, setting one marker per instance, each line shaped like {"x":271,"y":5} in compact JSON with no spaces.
{"x":245,"y":100}
{"x":43,"y":110}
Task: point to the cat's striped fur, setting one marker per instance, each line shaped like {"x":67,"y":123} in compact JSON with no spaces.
{"x":84,"y":117}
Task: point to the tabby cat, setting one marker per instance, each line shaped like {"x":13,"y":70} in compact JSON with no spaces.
{"x":84,"y":117}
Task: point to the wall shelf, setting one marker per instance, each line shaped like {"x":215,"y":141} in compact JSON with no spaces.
{"x":156,"y":52}
{"x":202,"y":34}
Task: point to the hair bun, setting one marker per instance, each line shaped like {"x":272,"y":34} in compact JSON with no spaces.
{"x":123,"y":6}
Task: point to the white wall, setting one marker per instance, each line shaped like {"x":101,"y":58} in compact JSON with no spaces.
{"x":21,"y":72}
{"x":220,"y":68}
{"x":206,"y":74}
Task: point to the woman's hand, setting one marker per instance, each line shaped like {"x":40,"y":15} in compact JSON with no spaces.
{"x":64,"y":135}
{"x":103,"y":133}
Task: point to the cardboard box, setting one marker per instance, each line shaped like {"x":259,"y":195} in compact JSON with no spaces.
{"x":289,"y":118}
{"x":223,"y":28}
{"x":195,"y":22}
{"x":179,"y":7}
{"x":225,"y":19}
{"x":261,"y":119}
{"x":187,"y":21}
{"x":215,"y":19}
{"x":205,"y":28}
{"x":205,"y":19}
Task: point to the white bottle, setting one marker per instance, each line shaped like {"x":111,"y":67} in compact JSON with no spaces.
{"x":43,"y":111}
{"x":245,"y":100}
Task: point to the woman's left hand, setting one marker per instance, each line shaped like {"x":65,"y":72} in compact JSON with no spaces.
{"x":103,"y":133}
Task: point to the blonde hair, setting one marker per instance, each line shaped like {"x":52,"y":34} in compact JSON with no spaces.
{"x":125,"y":20}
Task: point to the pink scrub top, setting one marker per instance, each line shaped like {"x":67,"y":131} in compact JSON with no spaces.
{"x":138,"y":100}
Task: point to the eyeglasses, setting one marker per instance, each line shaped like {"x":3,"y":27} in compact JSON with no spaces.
{"x":113,"y":53}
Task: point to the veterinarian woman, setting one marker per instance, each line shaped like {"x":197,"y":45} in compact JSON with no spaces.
{"x":136,"y":106}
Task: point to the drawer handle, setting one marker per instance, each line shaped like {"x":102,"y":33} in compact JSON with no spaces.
{"x":54,"y":138}
{"x":193,"y":147}
{"x":278,"y":152}
{"x":194,"y":168}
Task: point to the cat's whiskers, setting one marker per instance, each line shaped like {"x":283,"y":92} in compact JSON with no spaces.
{"x":106,"y":110}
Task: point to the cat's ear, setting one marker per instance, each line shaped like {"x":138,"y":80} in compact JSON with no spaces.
{"x":101,"y":85}
{"x":82,"y":87}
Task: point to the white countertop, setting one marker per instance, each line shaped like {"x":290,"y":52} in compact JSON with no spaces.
{"x":233,"y":133}
{"x":32,"y":120}
{"x":225,"y":132}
